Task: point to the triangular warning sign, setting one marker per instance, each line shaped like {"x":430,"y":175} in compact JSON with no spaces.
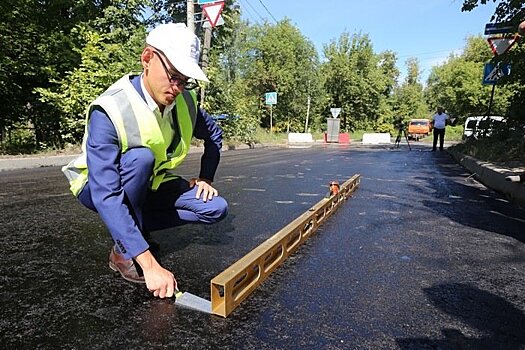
{"x":500,"y":45}
{"x":213,"y":12}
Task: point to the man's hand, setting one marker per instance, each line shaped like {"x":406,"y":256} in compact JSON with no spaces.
{"x":204,"y":188}
{"x":159,"y":281}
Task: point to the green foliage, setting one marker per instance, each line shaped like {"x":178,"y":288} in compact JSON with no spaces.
{"x":19,"y":139}
{"x":408,"y":99}
{"x":35,"y":48}
{"x":456,"y":84}
{"x":357,"y":80}
{"x":283,"y":61}
{"x":264,"y":136}
{"x":253,"y":60}
{"x":227,"y":92}
{"x":57,"y":56}
{"x":41,"y":47}
{"x":506,"y":10}
{"x":506,"y":144}
{"x":454,"y":133}
{"x":513,"y":105}
{"x":102,"y":63}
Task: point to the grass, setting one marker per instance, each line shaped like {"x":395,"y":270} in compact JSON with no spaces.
{"x":493,"y":150}
{"x":454,"y":133}
{"x":265,"y":137}
{"x":504,"y":145}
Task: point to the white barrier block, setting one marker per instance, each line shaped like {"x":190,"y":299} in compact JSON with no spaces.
{"x":376,"y":138}
{"x":298,"y":137}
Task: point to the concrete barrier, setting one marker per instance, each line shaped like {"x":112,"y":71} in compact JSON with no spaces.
{"x":298,"y":137}
{"x":375,"y":138}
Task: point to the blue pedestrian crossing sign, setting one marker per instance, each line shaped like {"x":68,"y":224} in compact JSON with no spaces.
{"x":271,"y":98}
{"x":492,"y":73}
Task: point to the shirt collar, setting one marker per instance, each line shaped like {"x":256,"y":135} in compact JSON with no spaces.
{"x":152,"y":105}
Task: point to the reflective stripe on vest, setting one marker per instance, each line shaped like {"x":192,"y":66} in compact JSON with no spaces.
{"x":136,"y":126}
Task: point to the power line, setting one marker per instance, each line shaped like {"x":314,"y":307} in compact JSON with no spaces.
{"x":245,"y":10}
{"x":257,"y":13}
{"x":268,"y":11}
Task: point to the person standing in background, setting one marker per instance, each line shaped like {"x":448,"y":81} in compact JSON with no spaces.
{"x":439,"y":121}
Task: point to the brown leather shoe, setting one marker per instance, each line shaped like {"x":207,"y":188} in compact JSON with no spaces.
{"x":126,"y":267}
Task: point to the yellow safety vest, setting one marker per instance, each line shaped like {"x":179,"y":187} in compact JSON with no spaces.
{"x":137,"y":126}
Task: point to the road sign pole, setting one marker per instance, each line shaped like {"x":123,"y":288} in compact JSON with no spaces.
{"x":271,"y":119}
{"x":205,"y":58}
{"x":491,"y":99}
{"x":190,"y":14}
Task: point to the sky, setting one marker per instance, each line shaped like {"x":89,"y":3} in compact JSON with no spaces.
{"x":429,"y":30}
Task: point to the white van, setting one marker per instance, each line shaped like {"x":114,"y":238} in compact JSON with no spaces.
{"x":479,"y":126}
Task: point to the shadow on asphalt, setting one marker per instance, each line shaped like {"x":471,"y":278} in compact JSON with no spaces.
{"x":500,"y":217}
{"x":179,"y":238}
{"x":499,"y":321}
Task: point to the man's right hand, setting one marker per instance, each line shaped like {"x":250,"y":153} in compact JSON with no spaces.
{"x":159,"y":281}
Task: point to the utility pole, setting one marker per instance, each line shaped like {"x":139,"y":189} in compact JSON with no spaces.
{"x":205,"y":56}
{"x":307,"y":114}
{"x":190,"y":15}
{"x":307,"y":109}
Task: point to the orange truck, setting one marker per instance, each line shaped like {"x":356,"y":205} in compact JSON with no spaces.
{"x":419,"y":128}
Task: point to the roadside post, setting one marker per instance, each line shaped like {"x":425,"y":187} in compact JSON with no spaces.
{"x":210,"y":18}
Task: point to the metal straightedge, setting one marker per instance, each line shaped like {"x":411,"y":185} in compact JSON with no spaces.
{"x":233,"y":285}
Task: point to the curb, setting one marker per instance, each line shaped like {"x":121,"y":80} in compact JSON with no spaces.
{"x":492,"y":176}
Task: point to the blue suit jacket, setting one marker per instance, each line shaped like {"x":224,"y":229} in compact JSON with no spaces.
{"x":107,"y":195}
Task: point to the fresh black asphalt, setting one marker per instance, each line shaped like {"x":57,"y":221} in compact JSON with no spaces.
{"x":421,"y":257}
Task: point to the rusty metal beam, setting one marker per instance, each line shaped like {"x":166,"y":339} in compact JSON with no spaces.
{"x":233,"y":285}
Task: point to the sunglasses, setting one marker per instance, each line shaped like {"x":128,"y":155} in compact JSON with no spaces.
{"x":188,"y":83}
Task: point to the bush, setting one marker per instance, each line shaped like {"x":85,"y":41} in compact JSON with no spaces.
{"x":19,"y":140}
{"x":454,"y":133}
{"x":506,"y":144}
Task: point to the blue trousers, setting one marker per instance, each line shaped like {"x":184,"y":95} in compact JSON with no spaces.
{"x":173,"y":204}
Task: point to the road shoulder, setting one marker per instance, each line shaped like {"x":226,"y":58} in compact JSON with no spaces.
{"x":493,"y":176}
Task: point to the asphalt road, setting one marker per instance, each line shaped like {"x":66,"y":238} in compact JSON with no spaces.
{"x":421,"y":257}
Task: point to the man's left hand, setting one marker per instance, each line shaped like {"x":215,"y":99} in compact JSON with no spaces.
{"x":204,"y":188}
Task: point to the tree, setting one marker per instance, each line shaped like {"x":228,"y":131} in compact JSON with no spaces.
{"x":281,"y":59}
{"x":510,"y":11}
{"x":102,"y":63}
{"x":409,"y":101}
{"x":108,"y":47}
{"x":506,"y":10}
{"x":457,"y":84}
{"x":42,"y":43}
{"x":357,"y":79}
{"x":227,"y":93}
{"x":36,"y":48}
